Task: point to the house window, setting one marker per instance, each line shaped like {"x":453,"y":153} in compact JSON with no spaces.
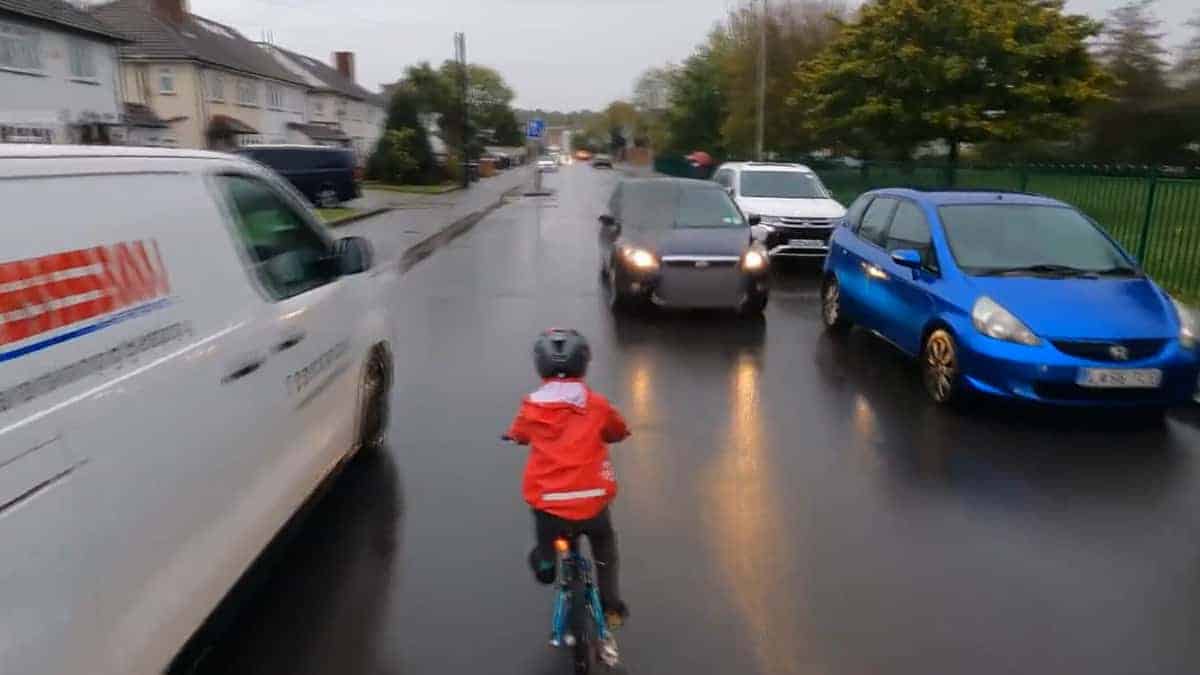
{"x":19,"y":47}
{"x":247,"y":92}
{"x":274,"y":97}
{"x":216,"y":86}
{"x":82,"y":64}
{"x":319,"y":107}
{"x":166,"y":80}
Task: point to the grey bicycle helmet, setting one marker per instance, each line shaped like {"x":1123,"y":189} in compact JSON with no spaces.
{"x":561,"y":352}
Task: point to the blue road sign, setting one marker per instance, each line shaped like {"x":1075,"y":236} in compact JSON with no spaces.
{"x":535,"y":129}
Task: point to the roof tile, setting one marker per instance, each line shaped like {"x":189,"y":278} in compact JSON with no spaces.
{"x":63,"y":14}
{"x":197,"y":38}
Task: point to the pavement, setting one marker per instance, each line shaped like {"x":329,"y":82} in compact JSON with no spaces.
{"x":414,"y":218}
{"x":790,"y":504}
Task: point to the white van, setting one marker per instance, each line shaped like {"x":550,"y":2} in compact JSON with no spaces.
{"x":185,"y":354}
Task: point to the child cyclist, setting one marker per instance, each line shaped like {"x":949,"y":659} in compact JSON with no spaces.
{"x":569,"y":480}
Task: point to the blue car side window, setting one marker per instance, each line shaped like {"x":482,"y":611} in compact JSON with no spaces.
{"x":855,"y":212}
{"x":910,"y":230}
{"x":875,"y":221}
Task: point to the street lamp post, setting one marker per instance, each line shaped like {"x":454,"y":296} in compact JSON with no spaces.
{"x":762,"y":81}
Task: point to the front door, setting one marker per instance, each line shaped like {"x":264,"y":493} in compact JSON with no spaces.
{"x":311,"y":344}
{"x":902,"y":298}
{"x":861,"y":264}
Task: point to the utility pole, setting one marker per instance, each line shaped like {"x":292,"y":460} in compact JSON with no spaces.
{"x":460,"y":55}
{"x":762,"y":80}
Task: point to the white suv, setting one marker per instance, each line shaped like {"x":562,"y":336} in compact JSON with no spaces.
{"x":797,"y":212}
{"x":186,"y":354}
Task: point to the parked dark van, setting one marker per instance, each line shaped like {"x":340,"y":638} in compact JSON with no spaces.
{"x":326,"y":176}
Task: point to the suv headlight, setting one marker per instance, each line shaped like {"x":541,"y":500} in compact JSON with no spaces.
{"x":769,"y":220}
{"x":996,"y":322}
{"x":1189,"y":325}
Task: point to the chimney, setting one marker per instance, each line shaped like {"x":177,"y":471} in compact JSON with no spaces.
{"x":171,"y":11}
{"x":344,"y":62}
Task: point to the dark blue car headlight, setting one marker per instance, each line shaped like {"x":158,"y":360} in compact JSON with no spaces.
{"x":992,"y":320}
{"x":1189,"y":325}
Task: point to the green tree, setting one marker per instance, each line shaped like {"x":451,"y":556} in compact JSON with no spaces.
{"x":404,"y":112}
{"x":395,"y":158}
{"x":796,"y":32}
{"x":909,"y":72}
{"x":1187,"y":68}
{"x":1146,"y":121}
{"x":697,"y":105}
{"x":508,"y":130}
{"x":652,"y":90}
{"x":1131,"y":48}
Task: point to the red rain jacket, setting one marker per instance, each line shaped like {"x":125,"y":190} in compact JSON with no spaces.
{"x":567,"y":425}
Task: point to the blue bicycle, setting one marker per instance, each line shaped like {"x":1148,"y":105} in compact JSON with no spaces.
{"x":578,"y":622}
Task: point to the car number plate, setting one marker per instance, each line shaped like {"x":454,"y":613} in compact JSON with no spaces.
{"x":1105,"y":378}
{"x":806,"y":243}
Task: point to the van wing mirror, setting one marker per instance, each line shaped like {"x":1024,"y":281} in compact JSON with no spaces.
{"x":355,"y":255}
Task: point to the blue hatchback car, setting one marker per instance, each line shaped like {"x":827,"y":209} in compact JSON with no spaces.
{"x":1008,"y":294}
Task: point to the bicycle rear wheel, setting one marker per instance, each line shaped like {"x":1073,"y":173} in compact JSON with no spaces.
{"x":583,"y":652}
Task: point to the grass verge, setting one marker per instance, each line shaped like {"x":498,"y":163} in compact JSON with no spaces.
{"x":412,"y":189}
{"x":335,"y":214}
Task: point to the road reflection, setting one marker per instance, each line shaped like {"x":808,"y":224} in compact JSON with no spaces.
{"x":317,"y":604}
{"x":753,"y":546}
{"x":994,"y":452}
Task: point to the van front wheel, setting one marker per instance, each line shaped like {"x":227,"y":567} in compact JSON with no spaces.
{"x":376,"y":386}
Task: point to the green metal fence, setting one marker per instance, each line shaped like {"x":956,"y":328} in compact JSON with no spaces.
{"x":1154,"y":213}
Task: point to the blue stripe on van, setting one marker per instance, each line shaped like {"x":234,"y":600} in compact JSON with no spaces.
{"x":84,"y":330}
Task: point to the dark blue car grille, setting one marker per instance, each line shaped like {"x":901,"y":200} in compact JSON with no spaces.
{"x":1125,"y":350}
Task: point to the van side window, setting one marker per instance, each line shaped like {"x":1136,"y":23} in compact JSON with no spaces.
{"x":290,"y":257}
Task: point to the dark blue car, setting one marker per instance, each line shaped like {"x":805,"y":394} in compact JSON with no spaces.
{"x":1012,"y":295}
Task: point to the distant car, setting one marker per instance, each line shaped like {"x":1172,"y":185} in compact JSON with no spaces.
{"x":1011,"y":295}
{"x":547,"y":165}
{"x":680,"y":243}
{"x":796,"y":212}
{"x":599,"y":161}
{"x":325,"y":176}
{"x":583,"y":155}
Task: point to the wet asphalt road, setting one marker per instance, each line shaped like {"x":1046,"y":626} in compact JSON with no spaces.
{"x":789,"y":504}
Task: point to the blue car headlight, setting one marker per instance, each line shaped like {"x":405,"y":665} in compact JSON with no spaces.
{"x":1189,"y":325}
{"x":992,"y":320}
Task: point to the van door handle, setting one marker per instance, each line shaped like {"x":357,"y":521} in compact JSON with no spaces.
{"x":289,"y":342}
{"x":246,"y":368}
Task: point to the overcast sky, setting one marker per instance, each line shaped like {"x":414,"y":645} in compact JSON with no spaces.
{"x":556,"y":54}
